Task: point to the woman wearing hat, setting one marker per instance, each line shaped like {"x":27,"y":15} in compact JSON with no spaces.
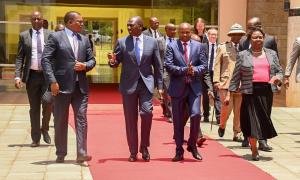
{"x":257,"y":75}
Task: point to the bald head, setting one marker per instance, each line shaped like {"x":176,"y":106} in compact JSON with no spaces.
{"x":36,"y":20}
{"x":154,"y":23}
{"x":170,"y":30}
{"x":185,"y":31}
{"x":253,"y":22}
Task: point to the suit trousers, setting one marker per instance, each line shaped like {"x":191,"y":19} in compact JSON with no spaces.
{"x":178,"y":108}
{"x":138,"y":102}
{"x":205,"y":101}
{"x":79,"y":102}
{"x":235,"y":105}
{"x":35,"y":88}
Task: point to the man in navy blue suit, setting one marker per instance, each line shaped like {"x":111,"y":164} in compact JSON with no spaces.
{"x":141,"y":72}
{"x":185,"y":60}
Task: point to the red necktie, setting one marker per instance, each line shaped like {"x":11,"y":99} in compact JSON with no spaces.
{"x":185,"y":53}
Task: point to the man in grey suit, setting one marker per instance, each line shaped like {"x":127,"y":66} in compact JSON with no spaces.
{"x":29,"y":71}
{"x":244,"y":44}
{"x":139,"y":56}
{"x":185,"y":60}
{"x":295,"y":54}
{"x":153,"y":31}
{"x":163,"y":42}
{"x":66,"y":59}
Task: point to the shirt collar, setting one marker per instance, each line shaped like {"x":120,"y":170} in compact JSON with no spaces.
{"x":140,"y":37}
{"x":210,"y":43}
{"x":152,"y":30}
{"x":68,"y":32}
{"x":188,"y":42}
{"x":40,"y":30}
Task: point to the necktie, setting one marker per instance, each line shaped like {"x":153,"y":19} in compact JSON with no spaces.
{"x":75,"y":45}
{"x":211,"y":58}
{"x":236,"y":47}
{"x":39,"y":49}
{"x":170,"y":39}
{"x":185,"y":53}
{"x":155,"y":34}
{"x":137,"y":51}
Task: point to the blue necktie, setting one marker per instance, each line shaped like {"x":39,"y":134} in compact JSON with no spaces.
{"x":137,"y":51}
{"x":211,"y":58}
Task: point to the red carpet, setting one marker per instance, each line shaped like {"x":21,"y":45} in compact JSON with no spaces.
{"x":107,"y":144}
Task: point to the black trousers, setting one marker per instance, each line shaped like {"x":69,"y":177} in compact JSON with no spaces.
{"x":36,"y":86}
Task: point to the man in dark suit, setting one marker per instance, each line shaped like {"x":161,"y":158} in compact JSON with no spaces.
{"x":66,"y":59}
{"x":29,"y":71}
{"x":139,"y":56}
{"x":153,"y":31}
{"x":211,"y":49}
{"x":270,"y":43}
{"x":185,"y":60}
{"x":163,"y":42}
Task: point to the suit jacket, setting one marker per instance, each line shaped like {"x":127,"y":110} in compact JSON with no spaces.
{"x":148,"y":32}
{"x":177,"y":67}
{"x":243,"y":71}
{"x":23,"y":59}
{"x":58,"y":62}
{"x":131,"y":72}
{"x":269,"y":43}
{"x":224,"y":65}
{"x":294,"y":56}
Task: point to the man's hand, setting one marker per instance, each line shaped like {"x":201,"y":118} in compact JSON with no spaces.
{"x":191,"y":71}
{"x":79,"y":66}
{"x":286,"y":82}
{"x":54,"y":89}
{"x":18,"y":83}
{"x":211,"y":94}
{"x":160,"y":92}
{"x":111,"y":58}
{"x":217,"y":86}
{"x":227,"y":99}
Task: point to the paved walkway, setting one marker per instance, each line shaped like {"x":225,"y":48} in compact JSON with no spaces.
{"x":19,"y":161}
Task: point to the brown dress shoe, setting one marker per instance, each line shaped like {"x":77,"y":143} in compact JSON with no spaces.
{"x":82,"y":158}
{"x":35,"y":144}
{"x":200,"y":141}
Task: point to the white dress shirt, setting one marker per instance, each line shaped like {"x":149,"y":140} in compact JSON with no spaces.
{"x":153,"y":32}
{"x":34,"y":53}
{"x":140,"y":44}
{"x":209,"y":53}
{"x":72,"y":40}
{"x":188,"y":48}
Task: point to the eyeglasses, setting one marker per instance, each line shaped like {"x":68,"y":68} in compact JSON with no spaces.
{"x":257,"y":37}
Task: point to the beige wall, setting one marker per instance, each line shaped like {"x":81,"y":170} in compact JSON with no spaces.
{"x":230,"y":12}
{"x":293,"y":93}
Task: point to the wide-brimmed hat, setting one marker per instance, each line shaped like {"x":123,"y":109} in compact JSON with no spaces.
{"x":236,"y":29}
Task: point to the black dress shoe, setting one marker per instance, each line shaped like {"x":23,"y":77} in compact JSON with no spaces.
{"x":245,"y":143}
{"x":132,"y":158}
{"x":46,"y":137}
{"x":34,"y":144}
{"x":263,"y":146}
{"x":177,"y":157}
{"x":206,"y":119}
{"x":82,"y":158}
{"x":221,"y":132}
{"x":200,"y":141}
{"x":145,"y":154}
{"x":194,"y":152}
{"x":60,"y":159}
